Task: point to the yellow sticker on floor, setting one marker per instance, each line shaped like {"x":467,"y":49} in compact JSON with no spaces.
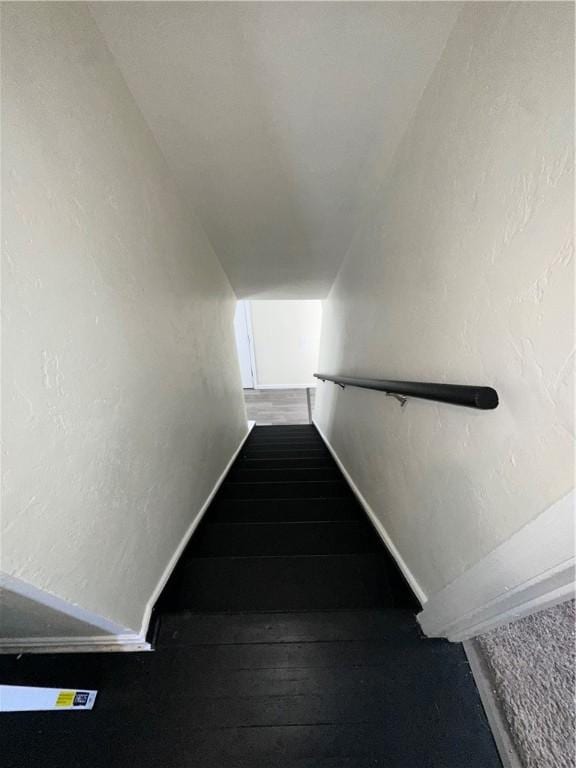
{"x":65,"y":698}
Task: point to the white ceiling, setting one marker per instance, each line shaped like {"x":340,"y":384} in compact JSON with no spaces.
{"x":278,"y":119}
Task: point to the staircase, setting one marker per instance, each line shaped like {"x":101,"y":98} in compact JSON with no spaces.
{"x":286,"y":534}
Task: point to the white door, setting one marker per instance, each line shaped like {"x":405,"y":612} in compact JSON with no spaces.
{"x":244,"y":343}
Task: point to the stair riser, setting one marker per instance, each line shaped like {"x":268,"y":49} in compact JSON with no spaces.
{"x":284,"y":453}
{"x":295,"y":445}
{"x":283,"y":539}
{"x":282,"y":490}
{"x":290,"y":474}
{"x":265,"y":511}
{"x":286,"y":463}
{"x":291,"y":583}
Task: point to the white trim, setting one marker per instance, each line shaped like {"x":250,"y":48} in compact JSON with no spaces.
{"x":251,"y":346}
{"x":532,"y":570}
{"x":496,"y":720}
{"x":96,"y":644}
{"x":186,"y":538}
{"x":284,"y":386}
{"x":408,"y":575}
{"x":244,"y":334}
{"x":117,"y":637}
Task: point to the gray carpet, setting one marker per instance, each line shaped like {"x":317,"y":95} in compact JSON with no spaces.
{"x":278,"y":406}
{"x":531,"y":666}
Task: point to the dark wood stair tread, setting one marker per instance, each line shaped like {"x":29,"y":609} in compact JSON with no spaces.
{"x":190,"y":628}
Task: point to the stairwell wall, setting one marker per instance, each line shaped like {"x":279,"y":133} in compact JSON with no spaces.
{"x":462,"y":272}
{"x":121,"y":388}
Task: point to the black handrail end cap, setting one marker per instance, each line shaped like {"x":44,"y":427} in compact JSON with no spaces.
{"x":487,"y":399}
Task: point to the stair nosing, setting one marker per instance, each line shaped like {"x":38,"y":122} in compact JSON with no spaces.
{"x":291,"y":522}
{"x":300,"y":499}
{"x":203,"y":558}
{"x":276,"y":482}
{"x":284,"y":469}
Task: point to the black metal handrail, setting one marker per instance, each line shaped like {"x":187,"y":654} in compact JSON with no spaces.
{"x":484,"y":398}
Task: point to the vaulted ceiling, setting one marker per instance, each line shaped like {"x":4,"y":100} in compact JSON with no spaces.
{"x":278,"y":119}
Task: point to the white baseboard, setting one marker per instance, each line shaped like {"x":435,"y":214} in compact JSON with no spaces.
{"x":532,"y":570}
{"x":496,"y":720}
{"x":114,"y":637}
{"x":407,"y":573}
{"x":186,"y":538}
{"x":96,"y":644}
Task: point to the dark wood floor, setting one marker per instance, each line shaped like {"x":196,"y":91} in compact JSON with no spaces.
{"x":286,"y":637}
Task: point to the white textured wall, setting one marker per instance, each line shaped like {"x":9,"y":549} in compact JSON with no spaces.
{"x":122,"y":396}
{"x":286,"y":341}
{"x":463,"y":272}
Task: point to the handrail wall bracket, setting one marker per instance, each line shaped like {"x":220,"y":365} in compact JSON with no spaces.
{"x":401,"y":399}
